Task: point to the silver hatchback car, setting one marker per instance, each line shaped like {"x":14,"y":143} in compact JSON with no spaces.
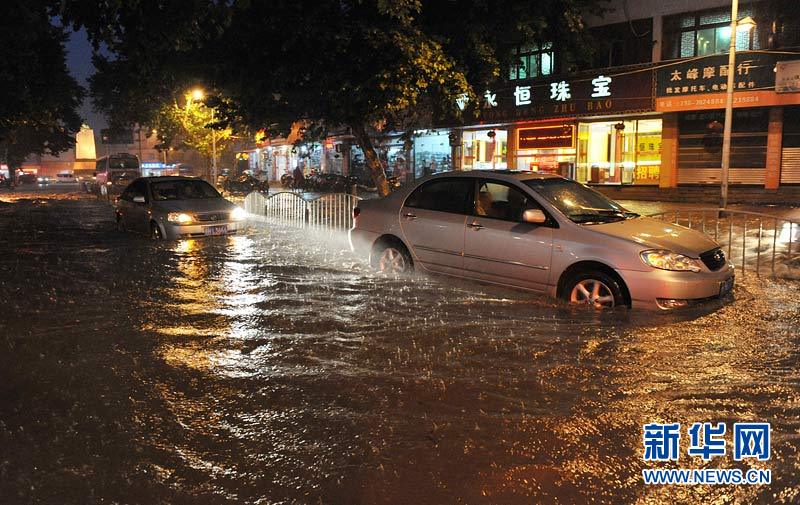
{"x":177,"y":207}
{"x":543,"y":233}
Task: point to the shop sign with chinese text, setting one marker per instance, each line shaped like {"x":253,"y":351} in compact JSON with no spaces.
{"x":553,"y":97}
{"x":702,"y":83}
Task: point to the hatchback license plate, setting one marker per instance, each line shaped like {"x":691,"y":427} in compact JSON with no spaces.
{"x":216,"y":230}
{"x":726,"y":286}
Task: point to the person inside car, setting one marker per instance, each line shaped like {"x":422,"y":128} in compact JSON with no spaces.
{"x":484,"y":206}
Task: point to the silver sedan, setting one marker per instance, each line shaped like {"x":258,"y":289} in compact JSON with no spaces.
{"x":177,"y":207}
{"x":543,"y":233}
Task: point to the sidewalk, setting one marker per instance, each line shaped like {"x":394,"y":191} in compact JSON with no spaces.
{"x":649,"y":207}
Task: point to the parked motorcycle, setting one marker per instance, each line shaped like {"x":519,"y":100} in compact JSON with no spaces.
{"x":243,"y":185}
{"x":331,"y":183}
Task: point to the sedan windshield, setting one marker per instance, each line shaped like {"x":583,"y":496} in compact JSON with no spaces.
{"x":579,"y":203}
{"x":183,"y":190}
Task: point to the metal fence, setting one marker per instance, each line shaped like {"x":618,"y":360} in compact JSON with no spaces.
{"x":757,"y":243}
{"x":332,"y":211}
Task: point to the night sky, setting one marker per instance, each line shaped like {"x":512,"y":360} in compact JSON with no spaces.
{"x":79,"y":61}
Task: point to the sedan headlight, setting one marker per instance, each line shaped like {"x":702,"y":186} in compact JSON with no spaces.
{"x":238,"y":214}
{"x":179,"y":217}
{"x":668,"y":260}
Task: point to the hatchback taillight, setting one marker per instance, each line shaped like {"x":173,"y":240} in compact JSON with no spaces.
{"x":356,"y":212}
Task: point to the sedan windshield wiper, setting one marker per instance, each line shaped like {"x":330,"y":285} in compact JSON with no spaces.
{"x":622,"y":213}
{"x":596,"y":217}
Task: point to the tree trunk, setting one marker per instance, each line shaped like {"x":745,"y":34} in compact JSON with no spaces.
{"x":371,"y":156}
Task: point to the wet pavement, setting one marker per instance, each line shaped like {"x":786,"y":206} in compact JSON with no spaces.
{"x":275,"y":367}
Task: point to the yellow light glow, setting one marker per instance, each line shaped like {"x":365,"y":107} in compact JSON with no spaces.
{"x":179,"y":217}
{"x":198,"y":94}
{"x":746,"y":24}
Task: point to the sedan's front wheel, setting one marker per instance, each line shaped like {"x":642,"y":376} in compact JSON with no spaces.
{"x":596,"y":289}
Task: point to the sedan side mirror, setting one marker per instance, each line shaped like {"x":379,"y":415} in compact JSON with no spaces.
{"x":534,"y":216}
{"x":138,"y":199}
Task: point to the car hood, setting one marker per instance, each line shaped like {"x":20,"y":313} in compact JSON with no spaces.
{"x":198,"y":206}
{"x":655,"y":234}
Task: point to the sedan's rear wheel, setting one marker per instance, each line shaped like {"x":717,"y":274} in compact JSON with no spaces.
{"x":596,"y":289}
{"x":394,"y":259}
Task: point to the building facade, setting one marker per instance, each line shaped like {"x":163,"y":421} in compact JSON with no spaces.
{"x":645,"y":119}
{"x":642,"y":119}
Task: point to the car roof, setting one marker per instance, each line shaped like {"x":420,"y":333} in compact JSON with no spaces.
{"x":507,"y":175}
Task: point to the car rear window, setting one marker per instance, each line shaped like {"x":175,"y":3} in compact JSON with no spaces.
{"x":444,"y":195}
{"x":123,"y":162}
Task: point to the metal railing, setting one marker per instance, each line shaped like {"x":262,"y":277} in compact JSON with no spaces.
{"x":754,"y":242}
{"x":332,"y":211}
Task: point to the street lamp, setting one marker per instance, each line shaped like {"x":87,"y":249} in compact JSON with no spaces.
{"x":197,"y":95}
{"x":746,"y":24}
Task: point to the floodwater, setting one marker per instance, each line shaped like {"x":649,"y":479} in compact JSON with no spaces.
{"x":277,"y":368}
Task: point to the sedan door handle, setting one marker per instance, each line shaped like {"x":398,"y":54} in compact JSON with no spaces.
{"x":475,"y":225}
{"x":410,"y":216}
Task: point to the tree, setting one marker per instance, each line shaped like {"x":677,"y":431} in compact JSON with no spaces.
{"x":366,"y":65}
{"x":191,"y":125}
{"x":38,"y":97}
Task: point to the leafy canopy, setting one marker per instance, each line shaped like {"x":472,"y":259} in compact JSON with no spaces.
{"x":364,"y":64}
{"x":39,"y":99}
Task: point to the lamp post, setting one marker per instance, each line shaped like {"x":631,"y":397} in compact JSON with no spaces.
{"x":748,"y":24}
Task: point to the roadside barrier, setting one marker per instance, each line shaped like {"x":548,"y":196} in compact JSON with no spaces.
{"x":756,"y":243}
{"x":331,"y":211}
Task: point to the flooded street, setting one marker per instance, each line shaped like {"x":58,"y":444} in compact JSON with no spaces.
{"x":276,"y":367}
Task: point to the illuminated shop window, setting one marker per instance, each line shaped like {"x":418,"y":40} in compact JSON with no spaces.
{"x":485,"y":150}
{"x":432,"y":152}
{"x":619,"y":152}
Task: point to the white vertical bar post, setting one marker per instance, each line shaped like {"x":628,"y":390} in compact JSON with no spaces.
{"x":726,"y":132}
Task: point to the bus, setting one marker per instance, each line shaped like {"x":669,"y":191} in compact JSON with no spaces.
{"x":113,"y":173}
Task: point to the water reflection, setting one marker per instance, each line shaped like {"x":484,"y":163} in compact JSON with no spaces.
{"x":276,"y":367}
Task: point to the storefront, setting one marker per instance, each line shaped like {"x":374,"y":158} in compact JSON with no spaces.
{"x":691,"y":95}
{"x":790,"y":153}
{"x":485,"y":149}
{"x":395,"y":155}
{"x":598,"y":129}
{"x":432,"y":152}
{"x":545,"y":148}
{"x":623,"y":151}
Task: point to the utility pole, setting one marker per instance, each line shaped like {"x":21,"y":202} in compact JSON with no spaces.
{"x":726,"y":132}
{"x":748,"y":24}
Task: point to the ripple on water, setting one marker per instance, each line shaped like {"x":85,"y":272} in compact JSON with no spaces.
{"x":277,"y":367}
